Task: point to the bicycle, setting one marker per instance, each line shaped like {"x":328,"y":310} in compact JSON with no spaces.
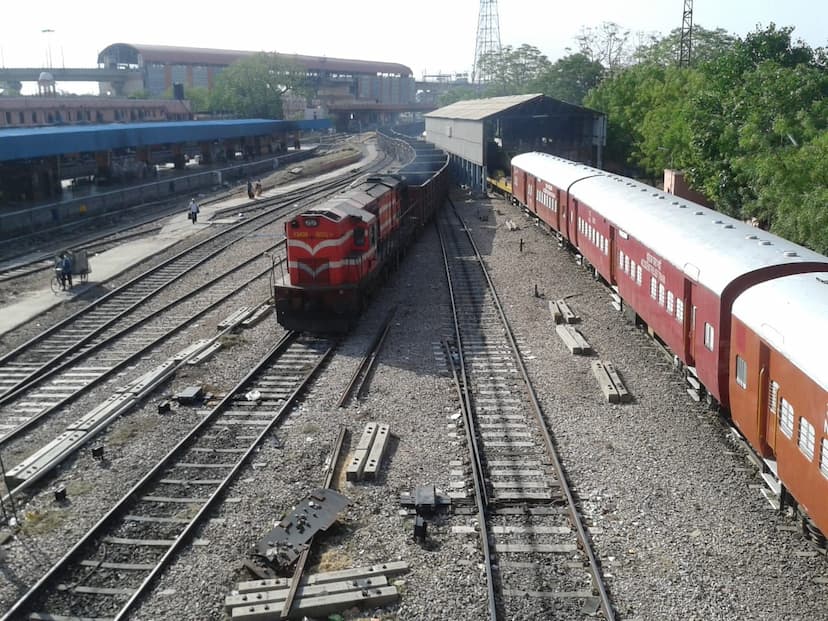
{"x":57,"y":281}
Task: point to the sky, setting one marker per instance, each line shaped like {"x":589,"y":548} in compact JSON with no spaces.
{"x":438,"y":36}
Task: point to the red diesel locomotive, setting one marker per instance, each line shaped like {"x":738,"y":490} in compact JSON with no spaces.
{"x":338,"y":251}
{"x":744,"y":312}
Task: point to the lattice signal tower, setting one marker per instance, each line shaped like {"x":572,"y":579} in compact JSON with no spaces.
{"x":488,"y":38}
{"x":686,"y":43}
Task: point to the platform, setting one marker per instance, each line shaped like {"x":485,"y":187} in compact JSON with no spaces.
{"x":111,"y":263}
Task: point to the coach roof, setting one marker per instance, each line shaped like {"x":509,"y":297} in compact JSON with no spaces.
{"x":791,"y":314}
{"x":710,"y":247}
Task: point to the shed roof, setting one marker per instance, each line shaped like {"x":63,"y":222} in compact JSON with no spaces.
{"x":479,"y":109}
{"x":173,"y":55}
{"x":34,"y":142}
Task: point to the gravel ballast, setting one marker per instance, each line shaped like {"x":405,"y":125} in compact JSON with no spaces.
{"x":677,"y":525}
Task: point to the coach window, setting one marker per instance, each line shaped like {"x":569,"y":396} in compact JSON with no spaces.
{"x":823,"y":458}
{"x":638,"y":275}
{"x":670,"y":299}
{"x":653,"y":288}
{"x":741,"y":371}
{"x":679,"y":309}
{"x":773,"y":391}
{"x":806,"y":438}
{"x":786,"y":417}
{"x":709,"y":335}
{"x":660,"y":294}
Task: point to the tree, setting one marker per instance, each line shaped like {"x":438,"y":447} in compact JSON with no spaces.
{"x":513,"y":71}
{"x":707,"y":46}
{"x":253,"y":86}
{"x":767,"y":94}
{"x":459,"y":93}
{"x":569,"y":78}
{"x":607,"y":44}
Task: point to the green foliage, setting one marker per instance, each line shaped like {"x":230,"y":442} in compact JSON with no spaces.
{"x":513,"y":71}
{"x":707,"y":46}
{"x":747,"y":122}
{"x":458,"y":94}
{"x":569,"y":78}
{"x":253,"y":87}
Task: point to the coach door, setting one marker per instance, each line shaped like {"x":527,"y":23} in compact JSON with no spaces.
{"x":767,"y":400}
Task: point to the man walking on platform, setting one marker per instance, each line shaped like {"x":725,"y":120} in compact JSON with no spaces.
{"x":193,"y":210}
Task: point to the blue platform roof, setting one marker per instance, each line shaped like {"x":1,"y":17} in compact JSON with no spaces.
{"x":34,"y":142}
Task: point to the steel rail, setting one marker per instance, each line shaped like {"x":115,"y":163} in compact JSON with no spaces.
{"x":366,"y":366}
{"x":303,"y":557}
{"x":552,"y":452}
{"x":40,"y":587}
{"x":462,"y":384}
{"x":259,"y":221}
{"x":46,"y":468}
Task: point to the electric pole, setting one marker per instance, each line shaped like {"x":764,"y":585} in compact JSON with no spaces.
{"x":488,"y":39}
{"x":686,"y":43}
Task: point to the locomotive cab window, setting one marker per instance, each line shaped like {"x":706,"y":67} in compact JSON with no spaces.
{"x":359,"y":237}
{"x":741,"y":371}
{"x":311,"y":222}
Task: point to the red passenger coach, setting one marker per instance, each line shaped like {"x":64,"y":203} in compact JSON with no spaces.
{"x":744,"y":312}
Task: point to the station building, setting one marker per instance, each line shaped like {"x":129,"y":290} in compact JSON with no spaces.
{"x":342,"y":85}
{"x":482,"y":135}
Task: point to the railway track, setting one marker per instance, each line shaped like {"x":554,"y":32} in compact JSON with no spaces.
{"x":110,"y":354}
{"x":77,"y":334}
{"x":537,"y":552}
{"x":116,"y":562}
{"x":20,"y":268}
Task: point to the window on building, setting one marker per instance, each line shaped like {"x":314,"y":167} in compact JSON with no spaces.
{"x":680,"y":310}
{"x":823,"y":458}
{"x":806,"y":438}
{"x":709,"y":336}
{"x":653,"y":288}
{"x":786,"y":417}
{"x":741,"y":371}
{"x":660,"y":294}
{"x":670,"y":299}
{"x":8,"y":118}
{"x":22,"y":118}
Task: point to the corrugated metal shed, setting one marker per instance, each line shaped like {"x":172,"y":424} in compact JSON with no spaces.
{"x":479,"y":109}
{"x":29,"y":143}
